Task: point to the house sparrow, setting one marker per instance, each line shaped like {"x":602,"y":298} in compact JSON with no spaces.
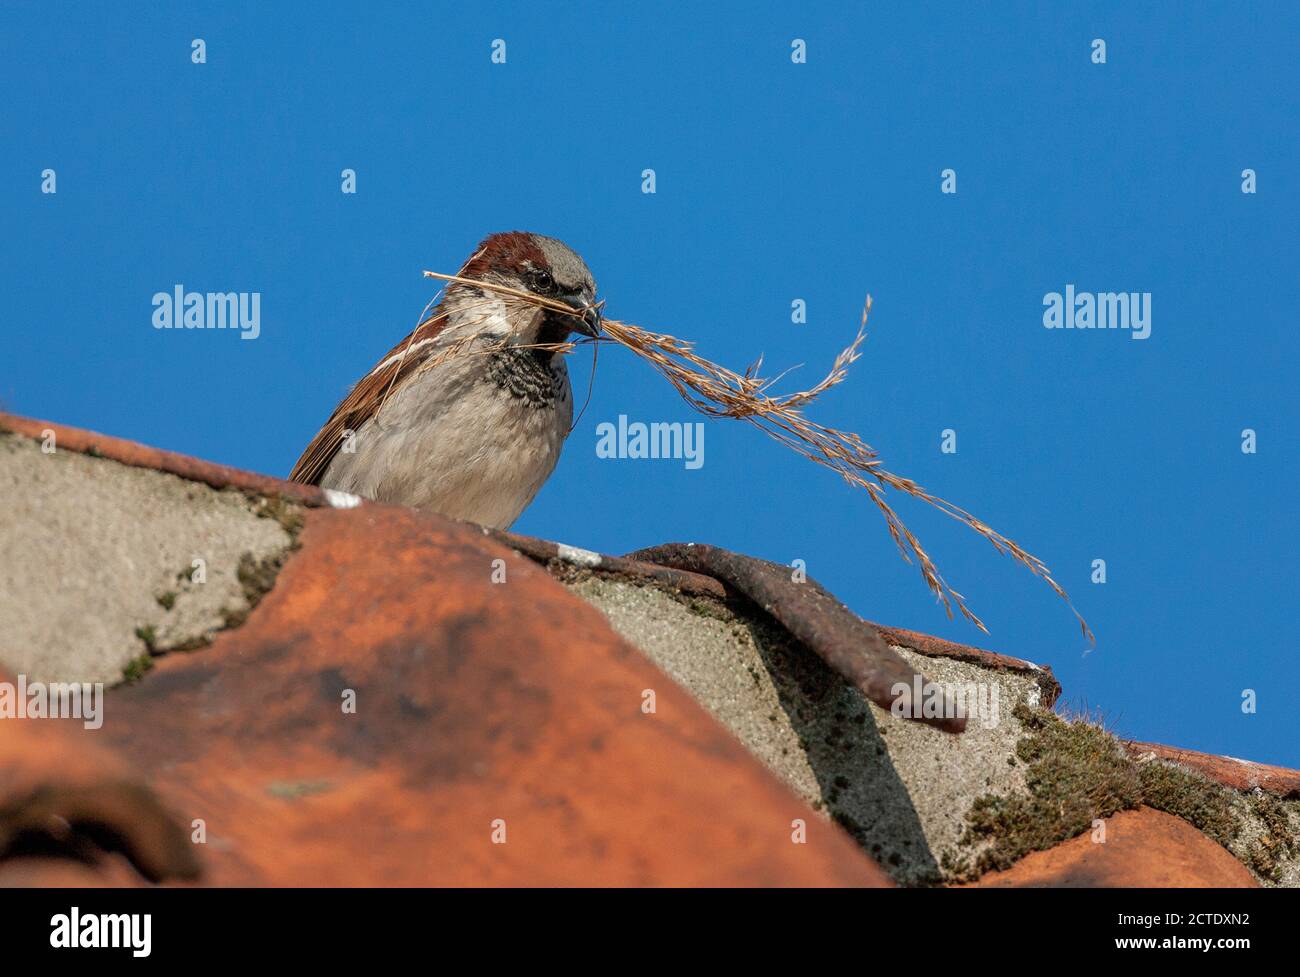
{"x":475,"y":435}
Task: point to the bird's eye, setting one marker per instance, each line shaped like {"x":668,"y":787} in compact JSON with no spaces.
{"x":542,"y":281}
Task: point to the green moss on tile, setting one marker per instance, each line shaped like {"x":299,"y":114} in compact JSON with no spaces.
{"x":147,"y":634}
{"x":1076,"y":773}
{"x":1187,"y":795}
{"x":291,"y":790}
{"x":288,"y":514}
{"x":136,"y":668}
{"x":1276,"y":843}
{"x":708,"y":608}
{"x":191,"y":644}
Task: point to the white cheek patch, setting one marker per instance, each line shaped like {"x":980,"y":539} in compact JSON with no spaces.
{"x":486,"y":316}
{"x":481,"y":313}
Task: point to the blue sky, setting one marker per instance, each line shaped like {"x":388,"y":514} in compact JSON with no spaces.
{"x":774,"y":181}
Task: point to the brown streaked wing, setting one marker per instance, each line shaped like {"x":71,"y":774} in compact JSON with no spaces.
{"x":363,"y":402}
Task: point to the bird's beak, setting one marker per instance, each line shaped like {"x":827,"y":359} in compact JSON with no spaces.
{"x":589,"y":322}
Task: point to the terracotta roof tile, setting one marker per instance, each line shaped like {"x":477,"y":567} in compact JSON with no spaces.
{"x":142,"y":456}
{"x":476,"y":706}
{"x":1229,"y":771}
{"x":1142,"y":848}
{"x":61,"y":788}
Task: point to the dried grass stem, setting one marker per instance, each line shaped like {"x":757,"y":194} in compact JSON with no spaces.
{"x":716,"y":391}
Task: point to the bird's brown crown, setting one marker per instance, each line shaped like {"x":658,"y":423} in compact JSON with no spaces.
{"x":540,"y":264}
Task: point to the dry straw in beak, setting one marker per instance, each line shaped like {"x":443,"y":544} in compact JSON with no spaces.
{"x":719,"y":392}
